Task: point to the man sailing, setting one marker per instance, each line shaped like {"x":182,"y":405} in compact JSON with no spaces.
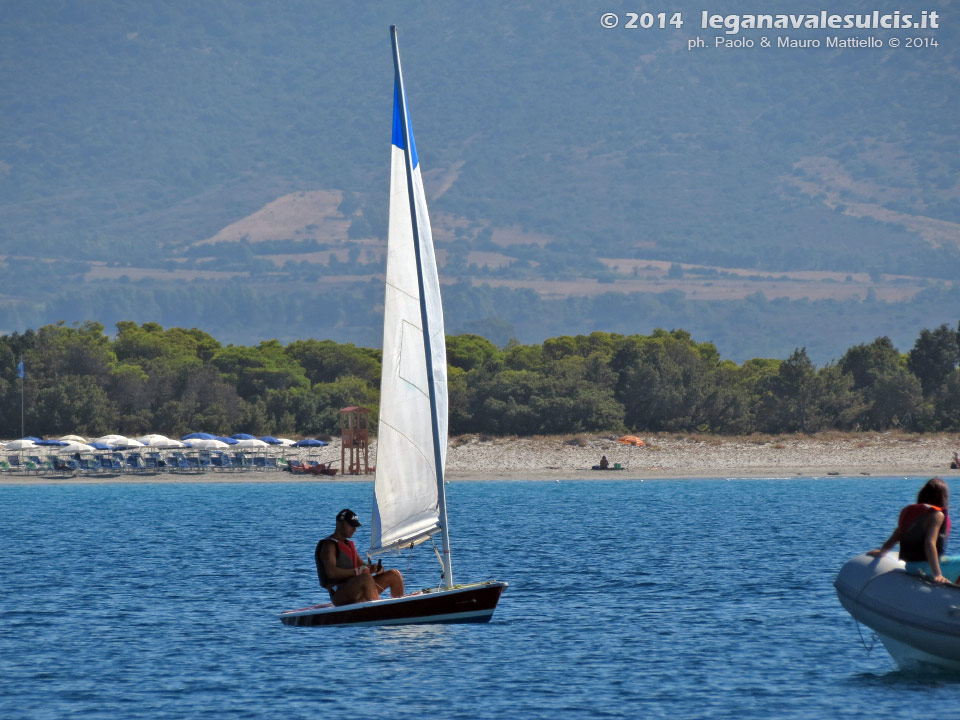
{"x":343,"y":575}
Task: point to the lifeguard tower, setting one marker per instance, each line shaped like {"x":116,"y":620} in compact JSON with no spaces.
{"x":353,"y":441}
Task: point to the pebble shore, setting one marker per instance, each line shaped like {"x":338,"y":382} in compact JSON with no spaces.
{"x":682,"y":455}
{"x":571,"y":457}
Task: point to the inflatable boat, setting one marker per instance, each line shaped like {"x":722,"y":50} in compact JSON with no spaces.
{"x":917,"y":620}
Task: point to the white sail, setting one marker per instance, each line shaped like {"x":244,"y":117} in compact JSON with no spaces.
{"x":412,"y":432}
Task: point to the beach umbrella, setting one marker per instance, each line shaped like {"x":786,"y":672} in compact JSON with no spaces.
{"x":112,"y":440}
{"x":285,"y":441}
{"x":51,"y":443}
{"x":21,"y":444}
{"x":310,"y":442}
{"x":199,"y":436}
{"x":270,"y":440}
{"x":227,"y":440}
{"x":96,"y":445}
{"x":203,"y":444}
{"x":74,"y":438}
{"x":32,"y":439}
{"x":250,"y":443}
{"x":150,"y":439}
{"x":243,"y":436}
{"x":165,"y":444}
{"x":117,"y":442}
{"x":74,"y":447}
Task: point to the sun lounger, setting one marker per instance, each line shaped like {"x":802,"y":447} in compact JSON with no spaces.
{"x":89,"y":465}
{"x":219,"y":461}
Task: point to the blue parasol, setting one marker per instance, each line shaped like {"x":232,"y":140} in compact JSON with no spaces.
{"x":309,"y":442}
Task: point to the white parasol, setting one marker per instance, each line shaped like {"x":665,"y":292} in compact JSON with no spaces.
{"x":21,"y":444}
{"x":73,"y":446}
{"x":208,"y":445}
{"x":254,"y":443}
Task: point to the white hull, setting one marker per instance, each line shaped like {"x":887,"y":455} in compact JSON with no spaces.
{"x":917,"y":621}
{"x":909,"y":658}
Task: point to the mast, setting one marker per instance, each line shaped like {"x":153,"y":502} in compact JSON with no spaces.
{"x":425,"y":323}
{"x":22,"y":382}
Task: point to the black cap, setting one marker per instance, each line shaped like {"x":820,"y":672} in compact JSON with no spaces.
{"x":349,"y":516}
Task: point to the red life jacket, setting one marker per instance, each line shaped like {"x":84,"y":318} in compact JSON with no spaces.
{"x":347,"y":558}
{"x":913,"y":533}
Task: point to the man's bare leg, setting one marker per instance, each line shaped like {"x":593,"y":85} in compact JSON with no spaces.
{"x":357,"y":589}
{"x":390,"y":579}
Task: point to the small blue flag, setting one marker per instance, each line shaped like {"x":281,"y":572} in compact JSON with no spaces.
{"x":20,"y":369}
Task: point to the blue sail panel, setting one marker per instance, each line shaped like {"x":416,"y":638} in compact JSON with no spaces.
{"x":398,"y":127}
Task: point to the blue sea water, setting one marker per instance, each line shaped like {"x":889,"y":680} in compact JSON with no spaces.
{"x":627,"y":599}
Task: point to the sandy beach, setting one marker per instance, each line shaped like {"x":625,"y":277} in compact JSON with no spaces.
{"x":683,"y":455}
{"x":571,"y":457}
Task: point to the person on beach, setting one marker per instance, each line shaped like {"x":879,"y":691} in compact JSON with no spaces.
{"x":955,"y":465}
{"x":604,"y":463}
{"x":343,"y":575}
{"x":922,"y":531}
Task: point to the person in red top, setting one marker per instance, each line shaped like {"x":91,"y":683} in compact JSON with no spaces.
{"x":343,"y":574}
{"x":922,"y":531}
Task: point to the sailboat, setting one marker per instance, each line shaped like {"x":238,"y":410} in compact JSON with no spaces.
{"x":409,"y":497}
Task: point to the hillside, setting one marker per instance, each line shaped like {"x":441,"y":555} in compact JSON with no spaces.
{"x":161,"y":156}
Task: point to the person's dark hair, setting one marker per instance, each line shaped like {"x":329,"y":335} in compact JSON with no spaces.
{"x":935,"y":492}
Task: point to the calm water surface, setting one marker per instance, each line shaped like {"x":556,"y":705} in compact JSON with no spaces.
{"x":680,"y":599}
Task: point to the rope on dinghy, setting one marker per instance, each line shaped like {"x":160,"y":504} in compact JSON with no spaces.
{"x":409,"y":560}
{"x":868,"y":648}
{"x":439,"y":559}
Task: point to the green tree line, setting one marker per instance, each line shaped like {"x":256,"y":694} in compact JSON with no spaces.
{"x":76,"y":379}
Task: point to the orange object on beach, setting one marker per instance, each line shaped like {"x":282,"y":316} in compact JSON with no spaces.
{"x":631,"y":440}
